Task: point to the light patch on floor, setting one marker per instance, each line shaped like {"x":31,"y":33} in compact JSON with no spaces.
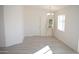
{"x":45,"y":50}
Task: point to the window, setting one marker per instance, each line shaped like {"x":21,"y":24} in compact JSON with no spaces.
{"x":61,"y":23}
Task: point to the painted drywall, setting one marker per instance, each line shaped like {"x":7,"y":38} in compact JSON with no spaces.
{"x":71,"y":34}
{"x":13,"y":20}
{"x":31,"y":22}
{"x":2,"y":37}
{"x":34,"y":21}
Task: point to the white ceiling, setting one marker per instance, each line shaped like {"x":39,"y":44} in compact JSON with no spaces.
{"x":49,"y":7}
{"x":53,"y":7}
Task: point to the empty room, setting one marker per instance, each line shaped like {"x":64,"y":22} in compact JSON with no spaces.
{"x":39,"y":29}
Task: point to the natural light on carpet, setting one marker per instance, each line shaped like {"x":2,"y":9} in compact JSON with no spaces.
{"x":45,"y":50}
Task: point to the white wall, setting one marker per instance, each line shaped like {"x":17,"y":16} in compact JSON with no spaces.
{"x":13,"y":19}
{"x":71,"y":34}
{"x":2,"y":38}
{"x":34,"y":21}
{"x":12,"y":27}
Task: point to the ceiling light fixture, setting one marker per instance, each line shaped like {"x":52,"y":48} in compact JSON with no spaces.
{"x":50,"y":13}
